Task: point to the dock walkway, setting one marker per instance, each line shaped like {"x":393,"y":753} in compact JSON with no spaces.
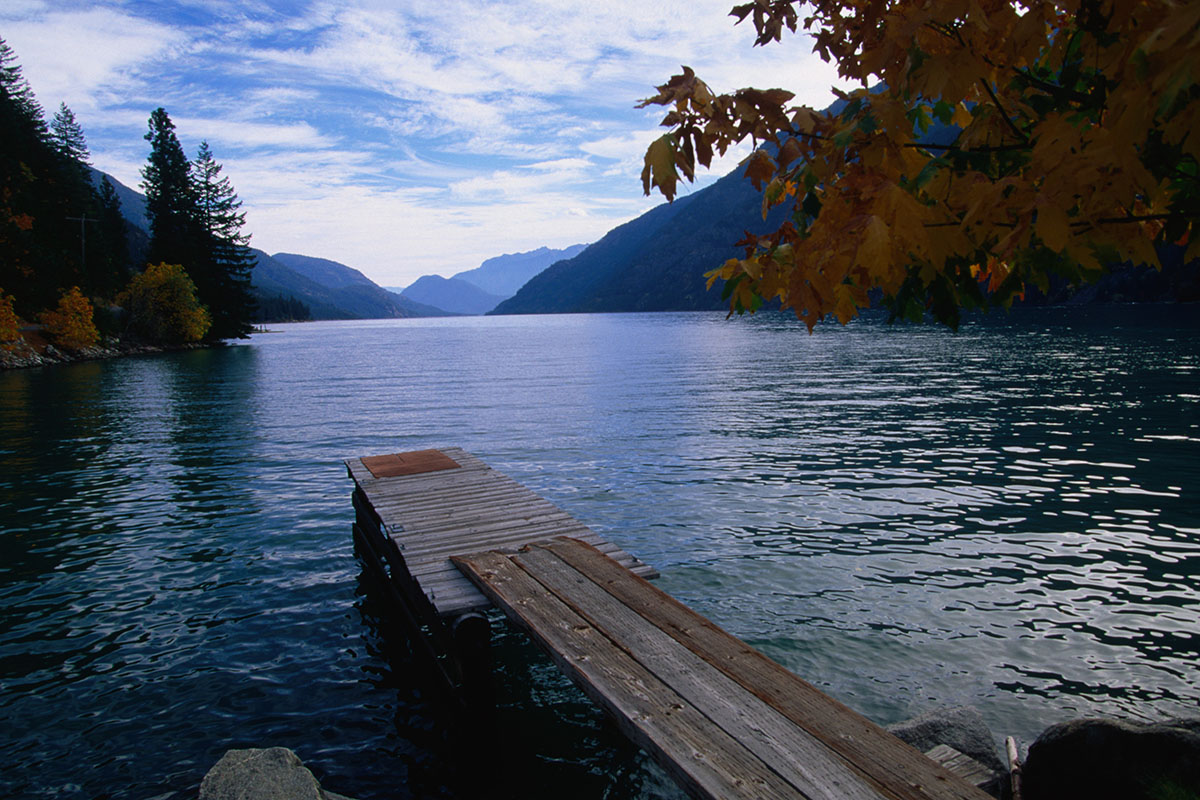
{"x":721,"y":717}
{"x":433,"y":504}
{"x":724,"y":719}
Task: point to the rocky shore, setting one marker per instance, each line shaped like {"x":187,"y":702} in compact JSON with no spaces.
{"x":33,"y":351}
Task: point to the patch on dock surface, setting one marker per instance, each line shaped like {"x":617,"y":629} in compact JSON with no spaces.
{"x":412,"y":463}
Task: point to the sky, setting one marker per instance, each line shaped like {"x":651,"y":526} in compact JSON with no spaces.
{"x":401,"y":138}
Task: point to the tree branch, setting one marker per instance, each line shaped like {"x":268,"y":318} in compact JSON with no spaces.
{"x":1012,"y":125}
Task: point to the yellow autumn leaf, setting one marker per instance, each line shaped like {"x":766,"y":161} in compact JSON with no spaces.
{"x":874,"y":250}
{"x":1053,"y":227}
{"x":659,"y":169}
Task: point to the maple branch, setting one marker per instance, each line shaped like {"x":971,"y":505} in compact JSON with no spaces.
{"x":1080,"y":224}
{"x":1051,"y":88}
{"x":1020,"y":133}
{"x":945,"y":148}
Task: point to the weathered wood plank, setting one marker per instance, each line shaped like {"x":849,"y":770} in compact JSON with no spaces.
{"x":431,"y":516}
{"x":961,"y":765}
{"x":500,"y":524}
{"x":804,"y":762}
{"x":903,"y":771}
{"x":436,"y":501}
{"x":706,"y":763}
{"x":421,"y":545}
{"x":429,"y":520}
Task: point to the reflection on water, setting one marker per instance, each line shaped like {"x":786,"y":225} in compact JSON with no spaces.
{"x":1005,"y":517}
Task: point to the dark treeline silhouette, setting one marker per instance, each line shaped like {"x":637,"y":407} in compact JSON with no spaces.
{"x":60,"y":230}
{"x":277,"y":308}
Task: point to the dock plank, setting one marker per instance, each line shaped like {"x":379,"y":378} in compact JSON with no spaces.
{"x":804,"y":762}
{"x":430,"y":516}
{"x":648,"y":711}
{"x":905,"y":773}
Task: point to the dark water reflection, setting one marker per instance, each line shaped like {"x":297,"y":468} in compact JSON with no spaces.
{"x":1006,"y":517}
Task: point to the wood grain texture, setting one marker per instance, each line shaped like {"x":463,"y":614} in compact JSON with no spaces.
{"x":706,"y":762}
{"x":804,"y":762}
{"x":430,"y":516}
{"x":905,"y":773}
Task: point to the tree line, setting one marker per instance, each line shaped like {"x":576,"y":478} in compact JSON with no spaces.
{"x":68,"y":258}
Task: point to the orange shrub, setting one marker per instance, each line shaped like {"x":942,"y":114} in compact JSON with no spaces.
{"x":71,"y":325}
{"x":9,"y":329}
{"x":162,"y":306}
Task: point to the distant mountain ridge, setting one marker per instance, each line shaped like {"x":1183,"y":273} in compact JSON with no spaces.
{"x":504,"y":275}
{"x":655,"y":262}
{"x":479,"y":290}
{"x":452,"y":294}
{"x":331,"y":290}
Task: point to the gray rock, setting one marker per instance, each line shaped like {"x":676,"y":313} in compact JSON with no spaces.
{"x":960,"y":727}
{"x":1114,"y":760}
{"x":274,"y":773}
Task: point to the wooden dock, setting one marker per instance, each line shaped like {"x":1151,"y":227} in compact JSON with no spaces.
{"x":437,"y":503}
{"x":721,"y":717}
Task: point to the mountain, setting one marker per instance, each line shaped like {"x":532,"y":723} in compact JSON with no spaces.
{"x":454,"y":295}
{"x":332,"y":290}
{"x":327,"y":273}
{"x":133,"y":210}
{"x":655,"y":262}
{"x":504,"y":275}
{"x":133,"y":203}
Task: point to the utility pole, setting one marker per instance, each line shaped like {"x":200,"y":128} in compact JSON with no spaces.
{"x":82,"y":239}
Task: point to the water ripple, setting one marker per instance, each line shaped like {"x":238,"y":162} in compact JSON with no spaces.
{"x":1002,"y":517}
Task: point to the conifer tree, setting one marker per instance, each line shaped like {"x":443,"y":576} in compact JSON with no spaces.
{"x":17,"y":90}
{"x":114,"y":239}
{"x":170,"y":197}
{"x":67,"y":136}
{"x":47,"y":202}
{"x":227,"y":257}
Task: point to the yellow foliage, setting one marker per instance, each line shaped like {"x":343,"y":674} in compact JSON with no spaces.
{"x":162,"y":306}
{"x":71,"y":325}
{"x":9,"y":325}
{"x":1074,"y":144}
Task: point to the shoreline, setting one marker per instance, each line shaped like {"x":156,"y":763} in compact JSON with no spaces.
{"x":24,"y":354}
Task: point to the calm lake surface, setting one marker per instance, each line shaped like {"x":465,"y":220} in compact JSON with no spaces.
{"x":1008,"y":517}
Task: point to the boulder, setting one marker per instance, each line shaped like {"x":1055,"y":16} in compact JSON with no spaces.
{"x":273,"y":773}
{"x":960,"y":727}
{"x":1102,"y":759}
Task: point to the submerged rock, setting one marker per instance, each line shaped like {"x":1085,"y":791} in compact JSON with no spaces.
{"x":1102,"y":759}
{"x":960,"y":727}
{"x":273,"y":773}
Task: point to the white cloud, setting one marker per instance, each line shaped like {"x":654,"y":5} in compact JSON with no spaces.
{"x":68,"y":56}
{"x":400,"y":136}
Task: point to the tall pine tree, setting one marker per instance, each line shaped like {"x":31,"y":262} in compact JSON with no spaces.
{"x":44,"y":192}
{"x":114,"y":239}
{"x":226,"y":249}
{"x":67,"y":136}
{"x":22,"y":136}
{"x":49,"y":209}
{"x":170,"y":199}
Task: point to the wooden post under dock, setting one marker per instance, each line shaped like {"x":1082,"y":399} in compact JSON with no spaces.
{"x":450,"y":536}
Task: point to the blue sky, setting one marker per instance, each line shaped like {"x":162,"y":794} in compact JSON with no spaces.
{"x":401,"y":138}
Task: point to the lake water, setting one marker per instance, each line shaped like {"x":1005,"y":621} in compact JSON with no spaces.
{"x":1007,"y":516}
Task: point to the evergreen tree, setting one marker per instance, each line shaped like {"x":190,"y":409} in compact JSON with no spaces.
{"x":39,"y":190}
{"x":227,"y":261}
{"x":114,"y":239}
{"x":170,"y":198}
{"x":47,"y":203}
{"x":67,"y":136}
{"x":17,"y":91}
